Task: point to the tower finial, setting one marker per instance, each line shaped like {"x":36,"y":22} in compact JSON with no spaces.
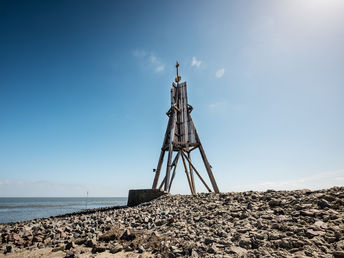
{"x":178,"y":78}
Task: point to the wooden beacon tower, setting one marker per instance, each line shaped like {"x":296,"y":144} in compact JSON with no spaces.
{"x":181,"y":138}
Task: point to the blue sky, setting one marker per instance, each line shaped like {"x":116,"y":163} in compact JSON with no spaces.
{"x":84,"y":87}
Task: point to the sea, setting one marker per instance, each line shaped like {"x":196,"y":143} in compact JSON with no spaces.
{"x":15,"y":209}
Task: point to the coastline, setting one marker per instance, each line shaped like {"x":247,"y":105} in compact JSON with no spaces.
{"x":271,"y":223}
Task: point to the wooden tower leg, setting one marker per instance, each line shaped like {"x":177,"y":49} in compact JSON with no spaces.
{"x":170,"y":150}
{"x":207,"y":166}
{"x":157,"y":172}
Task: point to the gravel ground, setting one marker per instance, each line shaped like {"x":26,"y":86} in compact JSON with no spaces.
{"x":246,"y":224}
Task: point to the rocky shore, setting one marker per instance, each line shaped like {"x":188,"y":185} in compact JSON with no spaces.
{"x":246,"y":224}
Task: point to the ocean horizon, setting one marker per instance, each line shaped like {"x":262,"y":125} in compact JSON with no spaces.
{"x":14,"y":209}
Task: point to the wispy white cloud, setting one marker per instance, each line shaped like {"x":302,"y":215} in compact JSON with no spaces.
{"x":195,"y":62}
{"x":154,"y":59}
{"x":149,"y":60}
{"x":220,"y":73}
{"x":160,"y":68}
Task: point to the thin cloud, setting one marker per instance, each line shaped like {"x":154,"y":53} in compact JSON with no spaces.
{"x":160,"y":68}
{"x":220,"y":73}
{"x":154,"y":59}
{"x":195,"y":62}
{"x":149,"y":60}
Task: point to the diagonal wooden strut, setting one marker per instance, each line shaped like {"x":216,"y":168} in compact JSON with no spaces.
{"x":205,"y":184}
{"x":175,"y":163}
{"x":157,"y":172}
{"x":187,"y":174}
{"x":191,"y":174}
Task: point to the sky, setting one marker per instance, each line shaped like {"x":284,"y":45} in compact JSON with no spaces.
{"x":85,"y":87}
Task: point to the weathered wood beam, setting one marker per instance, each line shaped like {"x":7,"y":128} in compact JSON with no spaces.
{"x":157,"y":172}
{"x":175,"y":164}
{"x":170,"y":151}
{"x":162,"y":183}
{"x":191,"y":175}
{"x":186,"y":143}
{"x":193,"y":148}
{"x":207,"y":166}
{"x":187,"y":174}
{"x":205,"y":184}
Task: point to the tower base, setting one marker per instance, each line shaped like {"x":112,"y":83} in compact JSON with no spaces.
{"x":138,"y":196}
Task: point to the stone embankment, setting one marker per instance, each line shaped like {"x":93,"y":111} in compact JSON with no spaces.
{"x":246,"y":224}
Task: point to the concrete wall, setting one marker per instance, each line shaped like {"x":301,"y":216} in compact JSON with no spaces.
{"x":138,"y":196}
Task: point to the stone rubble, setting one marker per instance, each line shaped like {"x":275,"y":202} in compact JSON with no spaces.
{"x":246,"y":224}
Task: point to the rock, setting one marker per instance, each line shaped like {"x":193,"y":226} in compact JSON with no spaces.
{"x":213,"y":249}
{"x":141,"y":249}
{"x":111,"y":235}
{"x":310,"y":213}
{"x":70,"y":245}
{"x":80,"y":241}
{"x":238,"y":251}
{"x":58,"y":248}
{"x":159,"y":222}
{"x":69,"y":254}
{"x":312,"y":233}
{"x":320,"y":224}
{"x":99,"y":248}
{"x":176,"y":250}
{"x":9,"y":249}
{"x":338,"y":254}
{"x":47,"y":241}
{"x":116,"y":248}
{"x":245,"y":242}
{"x":90,"y":243}
{"x":323,"y":204}
{"x":37,"y":238}
{"x":127,"y":235}
{"x":274,"y":203}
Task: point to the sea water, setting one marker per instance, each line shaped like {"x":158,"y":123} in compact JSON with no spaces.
{"x":18,"y":209}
